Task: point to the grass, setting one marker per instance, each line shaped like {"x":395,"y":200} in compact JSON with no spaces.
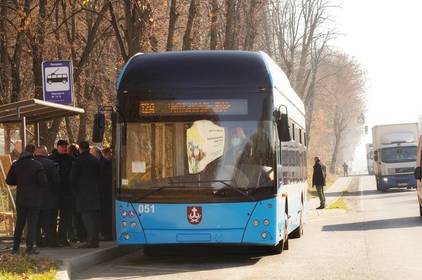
{"x":340,"y":203}
{"x":14,"y":267}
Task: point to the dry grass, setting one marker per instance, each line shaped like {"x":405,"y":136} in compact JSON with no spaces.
{"x":13,"y":267}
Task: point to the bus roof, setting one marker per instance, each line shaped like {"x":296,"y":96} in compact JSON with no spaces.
{"x":195,"y":69}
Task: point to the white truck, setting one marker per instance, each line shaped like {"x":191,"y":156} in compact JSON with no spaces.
{"x":395,"y":148}
{"x":370,"y":158}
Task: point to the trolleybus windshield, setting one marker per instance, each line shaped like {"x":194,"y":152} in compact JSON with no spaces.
{"x":211,"y":160}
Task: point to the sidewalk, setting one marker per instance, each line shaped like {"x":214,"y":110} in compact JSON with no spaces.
{"x":74,"y":259}
{"x":331,"y":194}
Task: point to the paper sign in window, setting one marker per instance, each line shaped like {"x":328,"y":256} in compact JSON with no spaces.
{"x":138,"y":167}
{"x":205,"y":143}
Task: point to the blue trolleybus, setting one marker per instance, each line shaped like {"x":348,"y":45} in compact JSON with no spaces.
{"x":210,"y":149}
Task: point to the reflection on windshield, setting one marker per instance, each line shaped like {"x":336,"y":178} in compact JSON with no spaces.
{"x":156,"y":155}
{"x":399,"y":154}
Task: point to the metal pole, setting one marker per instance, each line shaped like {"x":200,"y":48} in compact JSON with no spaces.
{"x":23,"y":131}
{"x":37,"y":133}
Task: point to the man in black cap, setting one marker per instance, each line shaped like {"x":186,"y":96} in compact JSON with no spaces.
{"x":86,"y":180}
{"x":30,"y":178}
{"x":65,"y":192}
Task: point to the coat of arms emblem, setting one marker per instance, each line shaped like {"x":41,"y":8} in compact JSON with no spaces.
{"x":194,"y":214}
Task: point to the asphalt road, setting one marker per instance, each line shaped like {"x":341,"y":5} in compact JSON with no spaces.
{"x":378,"y":237}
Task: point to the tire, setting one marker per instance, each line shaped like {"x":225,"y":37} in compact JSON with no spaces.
{"x":283,"y":244}
{"x":378,"y":184}
{"x":298,"y":232}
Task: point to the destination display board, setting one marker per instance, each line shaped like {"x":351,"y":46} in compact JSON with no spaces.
{"x":194,"y":107}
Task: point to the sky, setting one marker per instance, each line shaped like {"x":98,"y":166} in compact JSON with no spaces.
{"x":385,"y":37}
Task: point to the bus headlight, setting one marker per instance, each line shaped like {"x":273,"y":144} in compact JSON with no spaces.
{"x":266,"y":222}
{"x":131,"y":213}
{"x":264,"y":235}
{"x":133,"y":225}
{"x":385,"y":179}
{"x":255,"y":223}
{"x":124,"y":213}
{"x":124,"y":224}
{"x":126,"y":236}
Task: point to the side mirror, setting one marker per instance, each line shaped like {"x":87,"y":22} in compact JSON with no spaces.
{"x":418,"y":173}
{"x":376,"y":155}
{"x":98,"y":128}
{"x":283,"y":128}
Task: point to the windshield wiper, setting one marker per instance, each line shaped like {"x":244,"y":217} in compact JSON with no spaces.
{"x":154,"y":191}
{"x":224,"y":182}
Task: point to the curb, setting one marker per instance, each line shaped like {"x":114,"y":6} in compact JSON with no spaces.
{"x":79,"y":263}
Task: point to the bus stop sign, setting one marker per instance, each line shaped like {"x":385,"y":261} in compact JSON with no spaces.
{"x":58,"y":81}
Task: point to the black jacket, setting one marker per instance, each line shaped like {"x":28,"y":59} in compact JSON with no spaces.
{"x":51,"y":194}
{"x":86,"y":182}
{"x":318,"y":178}
{"x":65,"y":165}
{"x":30,"y":178}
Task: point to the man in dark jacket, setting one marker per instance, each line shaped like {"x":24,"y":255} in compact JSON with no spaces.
{"x":86,"y":180}
{"x":29,"y":176}
{"x":65,"y":192}
{"x":49,"y":208}
{"x":318,"y":180}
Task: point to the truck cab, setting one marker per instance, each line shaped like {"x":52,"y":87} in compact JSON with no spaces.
{"x":395,"y":155}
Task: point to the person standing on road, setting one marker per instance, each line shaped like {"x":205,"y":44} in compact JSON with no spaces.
{"x":50,"y":205}
{"x":345,"y":169}
{"x":86,"y":180}
{"x":318,"y":180}
{"x":65,"y":194}
{"x":30,"y":178}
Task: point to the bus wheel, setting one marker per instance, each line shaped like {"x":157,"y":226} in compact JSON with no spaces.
{"x":298,"y":232}
{"x":284,"y":243}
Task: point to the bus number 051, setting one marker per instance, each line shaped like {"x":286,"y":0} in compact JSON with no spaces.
{"x":146,"y":208}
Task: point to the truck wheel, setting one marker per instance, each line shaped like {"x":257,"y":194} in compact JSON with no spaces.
{"x":378,"y":185}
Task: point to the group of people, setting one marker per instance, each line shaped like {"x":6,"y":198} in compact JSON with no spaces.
{"x":62,"y":197}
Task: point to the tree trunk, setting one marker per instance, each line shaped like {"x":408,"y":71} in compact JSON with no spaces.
{"x":187,"y":38}
{"x":250,"y":32}
{"x":229,"y":40}
{"x":172,"y":25}
{"x":4,"y":75}
{"x":334,"y":155}
{"x":213,"y":29}
{"x":69,"y":130}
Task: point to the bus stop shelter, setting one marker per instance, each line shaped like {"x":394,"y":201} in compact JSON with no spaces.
{"x":26,"y":113}
{"x":32,"y":112}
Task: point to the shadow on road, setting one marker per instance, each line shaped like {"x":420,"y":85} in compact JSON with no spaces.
{"x":369,"y":193}
{"x":407,"y":222}
{"x":174,"y":260}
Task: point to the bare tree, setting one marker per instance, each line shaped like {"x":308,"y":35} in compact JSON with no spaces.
{"x":213,"y":30}
{"x":135,"y":33}
{"x":187,"y":38}
{"x":344,"y":98}
{"x":172,"y":24}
